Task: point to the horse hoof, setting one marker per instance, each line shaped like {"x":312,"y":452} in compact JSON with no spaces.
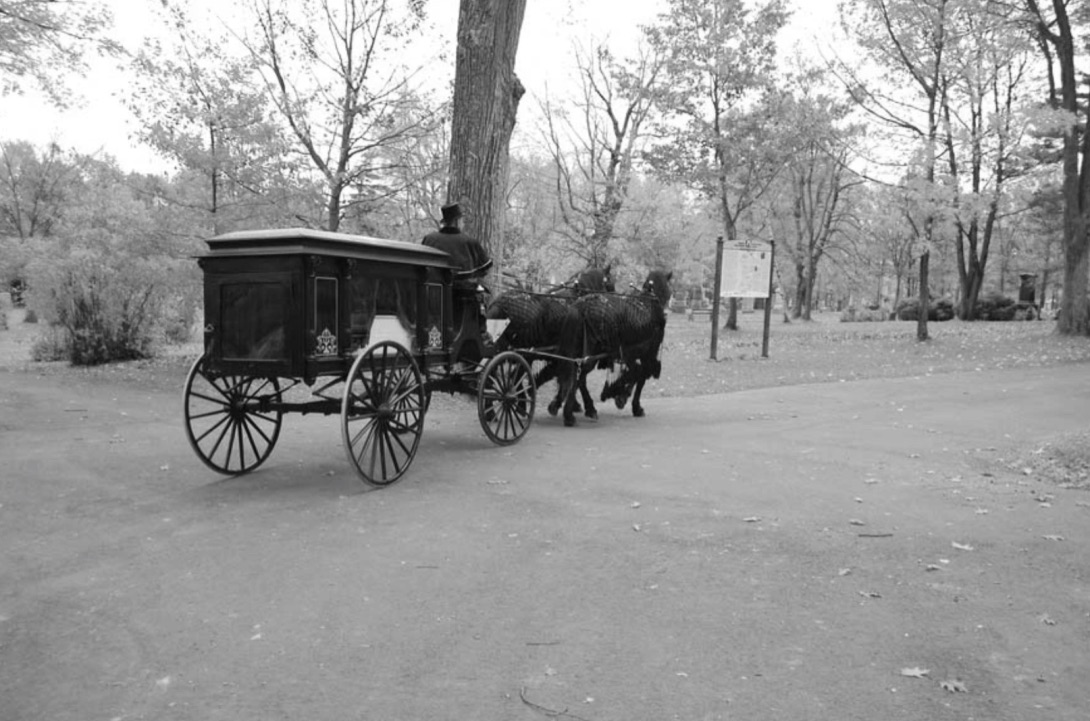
{"x":577,"y":408}
{"x":554,"y":408}
{"x":638,"y":412}
{"x":569,"y":422}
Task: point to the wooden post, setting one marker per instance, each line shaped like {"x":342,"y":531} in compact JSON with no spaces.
{"x":715,"y":296}
{"x":768,"y":303}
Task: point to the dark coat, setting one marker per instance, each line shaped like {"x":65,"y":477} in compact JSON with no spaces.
{"x":466,"y":252}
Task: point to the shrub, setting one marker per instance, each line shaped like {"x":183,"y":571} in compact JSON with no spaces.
{"x":863,"y":315}
{"x":3,"y":319}
{"x":994,"y":306}
{"x":51,"y":345}
{"x":106,"y":306}
{"x":30,"y":316}
{"x":939,"y":310}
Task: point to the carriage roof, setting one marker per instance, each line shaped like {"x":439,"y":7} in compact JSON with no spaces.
{"x":291,"y":241}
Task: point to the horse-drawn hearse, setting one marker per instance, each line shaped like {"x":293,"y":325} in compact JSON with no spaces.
{"x":307,"y":321}
{"x":371,"y":326}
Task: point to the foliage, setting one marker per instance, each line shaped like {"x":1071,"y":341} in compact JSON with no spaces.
{"x":338,"y":78}
{"x":45,"y":42}
{"x":938,"y":310}
{"x":203,"y":108}
{"x":1058,"y":45}
{"x":594,"y":148}
{"x":108,"y":276}
{"x":852,"y":314}
{"x":715,"y":133}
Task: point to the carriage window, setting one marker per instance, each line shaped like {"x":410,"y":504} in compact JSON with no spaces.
{"x":397,"y":296}
{"x":325,"y":315}
{"x":252,"y":319}
{"x":362,"y":302}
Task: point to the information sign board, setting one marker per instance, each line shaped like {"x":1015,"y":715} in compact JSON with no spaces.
{"x":746,"y":270}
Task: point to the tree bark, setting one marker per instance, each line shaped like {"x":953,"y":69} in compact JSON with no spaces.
{"x":1074,"y":316}
{"x":486,"y":99}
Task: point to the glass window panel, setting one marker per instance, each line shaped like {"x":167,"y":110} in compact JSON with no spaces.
{"x":252,"y":320}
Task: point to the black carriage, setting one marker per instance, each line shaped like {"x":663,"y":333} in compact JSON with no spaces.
{"x":309,"y":321}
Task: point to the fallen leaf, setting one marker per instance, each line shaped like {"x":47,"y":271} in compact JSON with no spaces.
{"x":1046,"y":620}
{"x":1053,"y":537}
{"x":961,"y":546}
{"x":915,"y":672}
{"x":856,"y":522}
{"x":953,"y":686}
{"x":932,"y":567}
{"x":844,"y":572}
{"x":635,"y":504}
{"x":870,"y":594}
{"x":752,"y":519}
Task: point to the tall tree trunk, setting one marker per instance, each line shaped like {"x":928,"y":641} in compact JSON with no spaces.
{"x":486,"y":99}
{"x":925,"y":300}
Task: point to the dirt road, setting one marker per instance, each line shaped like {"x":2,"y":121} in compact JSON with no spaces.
{"x":777,"y":554}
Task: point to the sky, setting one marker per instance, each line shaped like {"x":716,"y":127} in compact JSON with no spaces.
{"x":98,"y":122}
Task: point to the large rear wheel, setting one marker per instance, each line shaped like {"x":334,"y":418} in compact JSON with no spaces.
{"x":506,"y":397}
{"x":382,"y":415}
{"x":232,"y":422}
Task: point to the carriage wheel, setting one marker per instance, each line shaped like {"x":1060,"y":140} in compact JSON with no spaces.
{"x":231,"y":421}
{"x":506,"y":398}
{"x":382,"y":415}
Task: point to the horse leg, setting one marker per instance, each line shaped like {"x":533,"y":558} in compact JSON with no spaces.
{"x":637,"y":408}
{"x":547,"y":374}
{"x":571,"y":378}
{"x":588,"y":403}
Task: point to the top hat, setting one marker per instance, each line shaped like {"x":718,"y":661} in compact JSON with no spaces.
{"x":451,"y":212}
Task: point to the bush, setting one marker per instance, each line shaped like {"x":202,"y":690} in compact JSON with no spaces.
{"x":51,"y":345}
{"x":30,"y":316}
{"x":994,"y":306}
{"x":863,"y":315}
{"x":106,"y":308}
{"x":939,"y":310}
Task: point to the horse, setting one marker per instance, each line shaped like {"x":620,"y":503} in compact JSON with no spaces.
{"x":535,"y":320}
{"x":606,"y":328}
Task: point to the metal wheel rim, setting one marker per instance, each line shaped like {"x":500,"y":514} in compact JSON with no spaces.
{"x":223,"y":427}
{"x":506,"y":398}
{"x":382,"y":414}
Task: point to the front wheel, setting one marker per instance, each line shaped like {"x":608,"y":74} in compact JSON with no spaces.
{"x":506,"y":397}
{"x":382,"y":415}
{"x":232,"y":422}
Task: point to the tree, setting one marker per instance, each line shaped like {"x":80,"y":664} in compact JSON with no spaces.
{"x":486,"y":99}
{"x":199,"y":106}
{"x":983,"y":128}
{"x":44,"y":41}
{"x":720,"y":57}
{"x":1057,"y":41}
{"x":594,"y":148}
{"x":906,"y":42}
{"x":34,"y":188}
{"x":808,"y":208}
{"x":335,"y":71}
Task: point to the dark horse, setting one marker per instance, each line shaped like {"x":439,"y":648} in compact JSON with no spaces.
{"x":535,"y":320}
{"x":604,"y":329}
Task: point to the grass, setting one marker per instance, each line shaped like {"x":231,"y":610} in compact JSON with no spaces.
{"x":826,"y":350}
